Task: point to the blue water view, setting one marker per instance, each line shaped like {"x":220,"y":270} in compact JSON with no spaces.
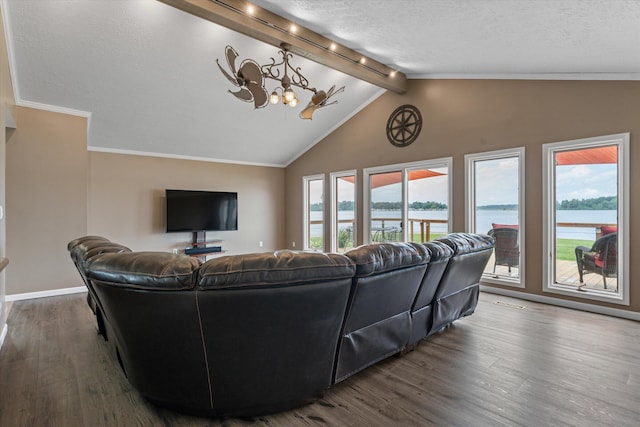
{"x":486,"y":217}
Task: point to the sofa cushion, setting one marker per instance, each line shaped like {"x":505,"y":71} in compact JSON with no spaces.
{"x":438,"y":250}
{"x":276,"y":268}
{"x":379,"y":257}
{"x":466,"y":242}
{"x":145,"y":270}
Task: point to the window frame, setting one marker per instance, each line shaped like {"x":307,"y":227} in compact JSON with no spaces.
{"x":549,"y":218}
{"x":334,"y":206}
{"x":305,"y":204}
{"x":404,"y":168}
{"x":470,"y":198}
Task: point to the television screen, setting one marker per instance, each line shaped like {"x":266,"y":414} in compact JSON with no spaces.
{"x":201,"y":210}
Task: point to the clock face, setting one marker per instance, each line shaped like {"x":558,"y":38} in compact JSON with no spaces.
{"x":404,"y":125}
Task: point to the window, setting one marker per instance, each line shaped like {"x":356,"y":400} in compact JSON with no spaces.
{"x":313,"y":234}
{"x":586,"y":196}
{"x":495,"y":206}
{"x":343,"y":211}
{"x":407,"y":202}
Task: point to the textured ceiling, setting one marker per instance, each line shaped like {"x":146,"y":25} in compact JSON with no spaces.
{"x":495,"y":38}
{"x":146,"y":72}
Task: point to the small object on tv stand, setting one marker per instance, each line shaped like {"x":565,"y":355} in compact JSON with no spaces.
{"x":199,"y":246}
{"x":202,"y":250}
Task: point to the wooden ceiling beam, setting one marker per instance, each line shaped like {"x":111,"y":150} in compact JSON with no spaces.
{"x":273,"y":29}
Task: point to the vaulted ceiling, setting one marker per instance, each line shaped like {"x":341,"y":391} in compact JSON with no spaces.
{"x":145,"y":73}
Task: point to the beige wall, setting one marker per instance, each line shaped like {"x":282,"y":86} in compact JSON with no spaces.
{"x":472,"y":116}
{"x":126,"y":201}
{"x":57,"y":191}
{"x":46,"y":199}
{"x":6,"y":103}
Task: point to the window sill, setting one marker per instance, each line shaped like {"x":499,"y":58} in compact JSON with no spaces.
{"x":592,"y":294}
{"x":515,"y":282}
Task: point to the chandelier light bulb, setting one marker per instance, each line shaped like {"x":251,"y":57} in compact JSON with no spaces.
{"x":274,"y":98}
{"x":289,"y":95}
{"x":293,"y":102}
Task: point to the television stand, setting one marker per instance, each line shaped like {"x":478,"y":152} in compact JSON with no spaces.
{"x":199,"y":237}
{"x":200,"y":246}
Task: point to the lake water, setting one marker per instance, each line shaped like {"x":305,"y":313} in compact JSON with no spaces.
{"x":486,"y":217}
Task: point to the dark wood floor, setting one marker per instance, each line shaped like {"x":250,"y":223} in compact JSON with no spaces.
{"x":503,"y":366}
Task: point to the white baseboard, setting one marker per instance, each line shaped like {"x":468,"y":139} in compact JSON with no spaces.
{"x":615,"y":312}
{"x":3,"y":334}
{"x":44,"y":294}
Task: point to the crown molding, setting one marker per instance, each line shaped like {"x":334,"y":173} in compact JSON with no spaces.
{"x":273,"y":29}
{"x":179,"y":157}
{"x":526,"y":76}
{"x":53,"y":108}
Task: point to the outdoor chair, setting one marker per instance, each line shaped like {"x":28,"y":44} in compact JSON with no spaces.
{"x":507,"y":249}
{"x":602,"y":258}
{"x":386,"y":234}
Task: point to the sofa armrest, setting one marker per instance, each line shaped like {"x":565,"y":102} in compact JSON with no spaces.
{"x":144,"y":270}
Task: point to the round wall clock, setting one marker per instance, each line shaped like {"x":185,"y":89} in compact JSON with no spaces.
{"x":404,"y":125}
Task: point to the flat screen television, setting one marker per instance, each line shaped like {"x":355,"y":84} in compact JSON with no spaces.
{"x":189,"y":210}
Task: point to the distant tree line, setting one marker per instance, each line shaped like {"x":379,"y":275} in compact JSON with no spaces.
{"x":347,"y":205}
{"x":428,"y":206}
{"x":415,"y":206}
{"x":498,"y":207}
{"x":596,"y":204}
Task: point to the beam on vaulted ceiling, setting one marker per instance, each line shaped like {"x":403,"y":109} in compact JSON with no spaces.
{"x":273,"y":29}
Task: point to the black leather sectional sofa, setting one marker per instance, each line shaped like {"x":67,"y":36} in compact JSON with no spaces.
{"x":259,"y":333}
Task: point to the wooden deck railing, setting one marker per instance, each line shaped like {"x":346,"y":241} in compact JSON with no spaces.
{"x":597,"y":225}
{"x":425,"y":226}
{"x":383,"y":232}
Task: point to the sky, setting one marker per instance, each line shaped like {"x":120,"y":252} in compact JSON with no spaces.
{"x":586,"y":181}
{"x":497,"y":182}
